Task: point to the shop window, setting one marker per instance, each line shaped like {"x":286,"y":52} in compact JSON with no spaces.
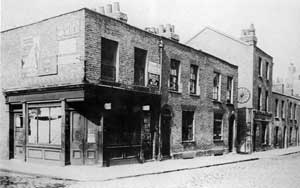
{"x":18,"y":121}
{"x":193,"y":79}
{"x":174,"y":75}
{"x":217,"y":86}
{"x":109,"y":51}
{"x":45,"y":126}
{"x":218,"y":127}
{"x":187,"y":125}
{"x":139,"y":66}
{"x":229,"y":90}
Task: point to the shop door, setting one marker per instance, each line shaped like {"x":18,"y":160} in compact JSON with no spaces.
{"x":84,"y":136}
{"x":19,"y":137}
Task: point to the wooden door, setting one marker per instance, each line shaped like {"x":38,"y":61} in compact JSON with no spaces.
{"x":84,"y":140}
{"x":19,"y":136}
{"x":91,"y":147}
{"x":77,"y":139}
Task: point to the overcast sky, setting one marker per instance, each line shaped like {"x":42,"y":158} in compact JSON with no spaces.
{"x":277,"y":22}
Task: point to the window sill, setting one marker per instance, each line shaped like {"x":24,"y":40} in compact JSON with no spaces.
{"x":176,"y":92}
{"x":217,"y":101}
{"x":188,"y":141}
{"x":194,"y":95}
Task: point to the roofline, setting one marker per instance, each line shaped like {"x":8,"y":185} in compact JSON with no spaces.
{"x":264,"y":52}
{"x":21,"y":26}
{"x":293,"y":97}
{"x":142,"y":30}
{"x":219,"y":32}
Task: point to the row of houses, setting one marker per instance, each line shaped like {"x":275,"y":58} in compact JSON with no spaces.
{"x":85,"y":87}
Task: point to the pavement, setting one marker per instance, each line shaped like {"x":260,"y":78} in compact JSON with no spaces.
{"x":99,"y":173}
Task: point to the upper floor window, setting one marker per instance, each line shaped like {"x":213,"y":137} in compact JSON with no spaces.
{"x":259,"y":102}
{"x":229,"y":90}
{"x":295,"y":108}
{"x":139,"y":66}
{"x":193,"y":79}
{"x":290,"y":110}
{"x":187,"y":125}
{"x":267,"y":101}
{"x":267,"y":70}
{"x":217,"y":86}
{"x":282,"y":109}
{"x":259,"y":66}
{"x":174,"y":75}
{"x":109,"y":53}
{"x":276,"y":108}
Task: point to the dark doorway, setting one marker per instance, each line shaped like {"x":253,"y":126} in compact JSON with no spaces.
{"x":254,"y":137}
{"x":166,"y":132}
{"x":284,"y":138}
{"x":276,"y":136}
{"x":230,"y":133}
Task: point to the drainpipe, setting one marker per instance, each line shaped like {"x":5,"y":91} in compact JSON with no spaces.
{"x":161,"y":46}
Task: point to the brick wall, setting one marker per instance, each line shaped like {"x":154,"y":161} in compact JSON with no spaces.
{"x":128,"y":37}
{"x":44,"y":53}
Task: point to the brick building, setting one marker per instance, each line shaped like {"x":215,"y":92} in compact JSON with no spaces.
{"x":286,"y":110}
{"x":88,"y":88}
{"x":255,"y":82}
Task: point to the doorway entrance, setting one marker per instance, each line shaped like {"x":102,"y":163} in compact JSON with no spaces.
{"x":17,"y":133}
{"x":166,"y":132}
{"x":254,"y":137}
{"x":84,"y":139}
{"x":231,"y":133}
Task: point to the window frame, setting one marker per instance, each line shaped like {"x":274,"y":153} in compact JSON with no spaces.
{"x":218,"y":86}
{"x":260,"y":66}
{"x":193,"y":126}
{"x":177,"y":76}
{"x":195,"y":80}
{"x":259,"y":105}
{"x":229,"y":90}
{"x":37,"y":141}
{"x":221,"y":131}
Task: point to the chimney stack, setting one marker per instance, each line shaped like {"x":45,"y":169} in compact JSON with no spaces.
{"x":109,"y":9}
{"x":248,"y":35}
{"x":101,"y":10}
{"x":113,"y":10}
{"x":116,"y":7}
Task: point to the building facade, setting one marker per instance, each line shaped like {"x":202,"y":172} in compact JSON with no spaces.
{"x":286,"y":110}
{"x":88,"y":88}
{"x":255,"y":83}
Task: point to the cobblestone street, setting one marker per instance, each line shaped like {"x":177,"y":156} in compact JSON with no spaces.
{"x":277,"y":172}
{"x":12,"y":180}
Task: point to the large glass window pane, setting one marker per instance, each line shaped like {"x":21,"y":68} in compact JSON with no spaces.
{"x":43,"y":123}
{"x":55,"y":125}
{"x":32,"y":126}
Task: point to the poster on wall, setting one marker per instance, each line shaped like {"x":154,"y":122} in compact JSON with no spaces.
{"x":30,"y":55}
{"x":154,"y":71}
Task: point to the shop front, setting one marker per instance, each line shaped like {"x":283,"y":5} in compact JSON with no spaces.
{"x":82,"y":126}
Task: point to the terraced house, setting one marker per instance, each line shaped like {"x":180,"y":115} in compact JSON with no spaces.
{"x":286,"y":110}
{"x":255,"y":83}
{"x":85,"y":87}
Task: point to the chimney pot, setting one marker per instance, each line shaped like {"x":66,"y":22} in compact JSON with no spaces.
{"x":169,"y":28}
{"x":109,"y":8}
{"x":116,"y":7}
